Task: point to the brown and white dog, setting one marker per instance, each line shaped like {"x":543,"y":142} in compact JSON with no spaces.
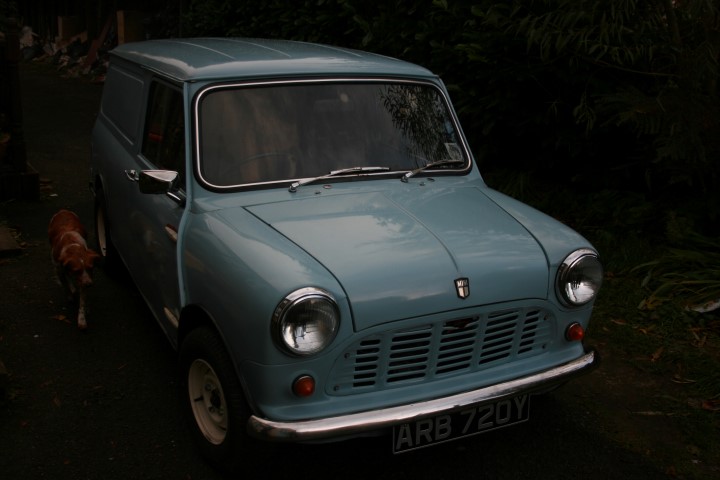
{"x":72,"y":258}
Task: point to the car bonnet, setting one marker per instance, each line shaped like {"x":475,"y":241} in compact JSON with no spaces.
{"x":399,"y":256}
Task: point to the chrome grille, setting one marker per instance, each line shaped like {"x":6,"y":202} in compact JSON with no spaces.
{"x":434,"y":351}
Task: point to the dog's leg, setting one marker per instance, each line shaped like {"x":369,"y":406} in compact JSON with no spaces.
{"x":81,"y":322}
{"x":70,"y":284}
{"x":65,"y":281}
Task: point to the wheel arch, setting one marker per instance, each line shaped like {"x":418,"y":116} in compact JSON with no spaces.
{"x":193,"y":317}
{"x":102,"y":233}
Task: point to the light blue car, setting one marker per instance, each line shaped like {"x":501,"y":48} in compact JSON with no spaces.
{"x":311,"y":231}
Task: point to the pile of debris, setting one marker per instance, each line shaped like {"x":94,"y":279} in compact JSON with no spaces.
{"x":76,"y":53}
{"x":74,"y":56}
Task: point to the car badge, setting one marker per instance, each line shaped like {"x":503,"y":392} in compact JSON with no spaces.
{"x":462,"y":285}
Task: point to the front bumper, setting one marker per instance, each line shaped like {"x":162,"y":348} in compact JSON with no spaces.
{"x":356,"y":424}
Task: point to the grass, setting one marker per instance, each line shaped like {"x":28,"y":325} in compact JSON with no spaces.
{"x":682,"y":350}
{"x":669,"y":341}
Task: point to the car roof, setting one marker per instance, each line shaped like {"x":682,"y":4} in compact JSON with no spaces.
{"x":198,"y":59}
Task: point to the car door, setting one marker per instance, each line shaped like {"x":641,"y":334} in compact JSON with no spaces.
{"x":156,"y":217}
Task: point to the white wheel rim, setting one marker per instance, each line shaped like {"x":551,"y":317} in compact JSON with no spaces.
{"x":208,"y":401}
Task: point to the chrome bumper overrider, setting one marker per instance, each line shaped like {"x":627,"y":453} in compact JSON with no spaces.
{"x":363,"y":422}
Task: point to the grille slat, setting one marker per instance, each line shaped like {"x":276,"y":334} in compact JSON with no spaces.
{"x":435,"y":351}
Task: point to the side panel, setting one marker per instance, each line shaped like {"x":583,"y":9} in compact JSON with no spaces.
{"x":115,"y":148}
{"x":140,"y":126}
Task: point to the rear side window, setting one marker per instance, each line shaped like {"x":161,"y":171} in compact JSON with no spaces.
{"x":164,"y":137}
{"x":122,"y":101}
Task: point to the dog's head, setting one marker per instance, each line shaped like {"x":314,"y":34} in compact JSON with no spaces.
{"x":78,"y":262}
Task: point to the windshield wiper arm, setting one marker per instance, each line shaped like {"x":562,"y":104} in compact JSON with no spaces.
{"x":334,"y":173}
{"x":412,"y":173}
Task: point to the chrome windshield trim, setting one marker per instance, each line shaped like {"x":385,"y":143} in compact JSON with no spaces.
{"x":358,"y":423}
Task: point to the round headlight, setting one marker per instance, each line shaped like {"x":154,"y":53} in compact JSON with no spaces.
{"x":305,"y":322}
{"x":579,"y":278}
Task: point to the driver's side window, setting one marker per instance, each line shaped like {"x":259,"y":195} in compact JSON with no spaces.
{"x":164,"y":136}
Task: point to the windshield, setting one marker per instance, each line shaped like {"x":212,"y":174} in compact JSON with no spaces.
{"x":279,"y":132}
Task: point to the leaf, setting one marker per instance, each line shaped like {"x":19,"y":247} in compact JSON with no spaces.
{"x":708,"y":306}
{"x":681,"y":380}
{"x":710,"y":405}
{"x":649,"y":329}
{"x":658,"y":353}
{"x":60,"y":318}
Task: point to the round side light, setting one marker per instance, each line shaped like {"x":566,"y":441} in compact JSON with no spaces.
{"x":574,"y":332}
{"x":304,"y":386}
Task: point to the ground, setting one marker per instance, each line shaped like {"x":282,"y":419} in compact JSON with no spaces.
{"x":650,"y":394}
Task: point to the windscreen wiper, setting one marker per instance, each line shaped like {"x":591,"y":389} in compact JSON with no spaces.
{"x":412,"y":173}
{"x":334,"y":173}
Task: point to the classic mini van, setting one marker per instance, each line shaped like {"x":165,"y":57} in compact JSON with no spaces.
{"x":311,"y":231}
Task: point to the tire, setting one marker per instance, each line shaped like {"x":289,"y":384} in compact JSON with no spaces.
{"x":106,"y":249}
{"x":214,"y":403}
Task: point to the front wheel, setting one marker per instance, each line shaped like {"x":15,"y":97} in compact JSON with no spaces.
{"x":214,"y":403}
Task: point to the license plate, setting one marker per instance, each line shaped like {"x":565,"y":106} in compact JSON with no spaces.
{"x":462,"y":423}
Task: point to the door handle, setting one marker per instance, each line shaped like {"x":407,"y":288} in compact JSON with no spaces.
{"x":132,"y":175}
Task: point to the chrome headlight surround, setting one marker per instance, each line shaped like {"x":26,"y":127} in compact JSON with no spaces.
{"x":305,"y":322}
{"x":579,"y":278}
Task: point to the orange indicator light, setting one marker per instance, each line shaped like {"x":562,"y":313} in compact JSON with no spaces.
{"x":304,"y":386}
{"x":574,"y":332}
